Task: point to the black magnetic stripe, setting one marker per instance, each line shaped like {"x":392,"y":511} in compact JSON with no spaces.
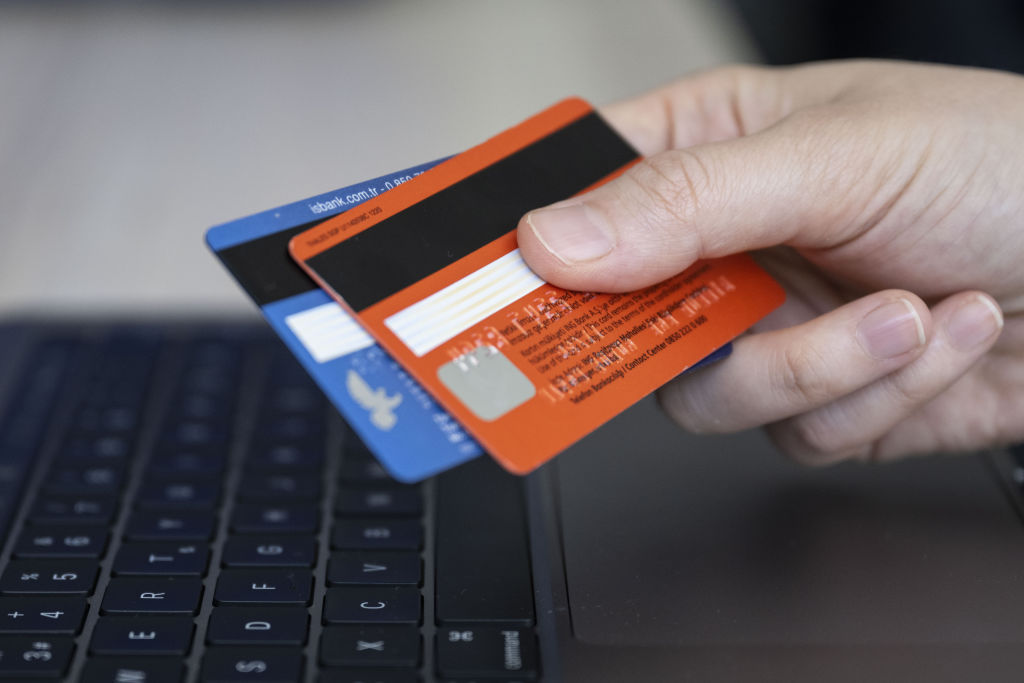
{"x":441,"y":229}
{"x":264,"y":268}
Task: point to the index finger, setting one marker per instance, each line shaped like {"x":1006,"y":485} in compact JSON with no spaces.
{"x":725,"y":103}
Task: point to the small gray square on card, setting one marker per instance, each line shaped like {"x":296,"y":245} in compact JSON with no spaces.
{"x":487,"y":382}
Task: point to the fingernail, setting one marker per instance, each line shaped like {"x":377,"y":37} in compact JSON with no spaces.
{"x":973,"y":323}
{"x":891,"y":330}
{"x":571,"y":233}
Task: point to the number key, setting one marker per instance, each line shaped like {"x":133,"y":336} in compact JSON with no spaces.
{"x":48,"y":577}
{"x":61,"y":541}
{"x":41,"y":615}
{"x":29,"y":657}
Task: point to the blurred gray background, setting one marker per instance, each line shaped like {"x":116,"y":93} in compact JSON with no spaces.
{"x":127,"y":129}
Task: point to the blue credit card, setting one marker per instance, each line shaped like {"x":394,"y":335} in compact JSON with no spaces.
{"x":412,"y":437}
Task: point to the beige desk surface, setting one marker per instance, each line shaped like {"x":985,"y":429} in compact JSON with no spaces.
{"x":126,"y":131}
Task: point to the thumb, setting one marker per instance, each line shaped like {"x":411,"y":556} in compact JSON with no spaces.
{"x":810,"y":181}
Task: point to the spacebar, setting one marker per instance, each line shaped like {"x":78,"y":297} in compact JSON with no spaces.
{"x":482,"y":558}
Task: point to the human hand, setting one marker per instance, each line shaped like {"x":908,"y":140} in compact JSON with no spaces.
{"x":888,"y":198}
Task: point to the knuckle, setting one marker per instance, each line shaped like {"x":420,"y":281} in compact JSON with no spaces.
{"x":671,"y":185}
{"x":686,"y":411}
{"x":825,"y":437}
{"x":879,"y":453}
{"x":812,"y":440}
{"x":802,"y":376}
{"x":909,"y":394}
{"x":816,"y":440}
{"x":736,"y":73}
{"x":992,"y":419}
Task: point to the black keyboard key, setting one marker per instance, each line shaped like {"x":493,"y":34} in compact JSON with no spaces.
{"x":263,"y":586}
{"x":34,"y":656}
{"x":196,"y":433}
{"x":58,"y":616}
{"x":191,"y":462}
{"x":97,"y":478}
{"x":179,"y":492}
{"x":99,"y":447}
{"x":275,"y":486}
{"x":370,"y":646}
{"x":170,"y":525}
{"x":73,"y":510}
{"x":210,"y":379}
{"x":487,"y":653}
{"x":482,"y":559}
{"x":269,"y":551}
{"x":377,"y":534}
{"x":200,"y":407}
{"x":368,"y":676}
{"x":24,"y":423}
{"x":291,"y":456}
{"x":133,"y":670}
{"x":404,"y":501}
{"x":161,"y":559}
{"x":238,"y":665}
{"x":363,"y":471}
{"x":258,"y":626}
{"x":48,"y":577}
{"x":275,"y":518}
{"x":383,"y":567}
{"x":109,"y":419}
{"x":291,"y":427}
{"x":152,"y":595}
{"x":60,"y":542}
{"x":296,"y":398}
{"x":166,"y":636}
{"x":10,"y":494}
{"x":373,"y":605}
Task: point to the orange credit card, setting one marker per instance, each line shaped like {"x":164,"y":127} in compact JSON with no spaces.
{"x":431,"y":269}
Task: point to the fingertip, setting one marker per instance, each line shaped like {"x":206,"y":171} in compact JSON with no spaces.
{"x":898,"y":326}
{"x":573,"y":234}
{"x":572,"y":245}
{"x":676,"y":400}
{"x":973,"y":323}
{"x":539,"y":256}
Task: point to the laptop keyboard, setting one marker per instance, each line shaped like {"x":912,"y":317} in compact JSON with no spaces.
{"x":182,"y":504}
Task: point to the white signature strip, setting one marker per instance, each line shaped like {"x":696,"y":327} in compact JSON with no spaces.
{"x":328,"y":332}
{"x":431,"y":322}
